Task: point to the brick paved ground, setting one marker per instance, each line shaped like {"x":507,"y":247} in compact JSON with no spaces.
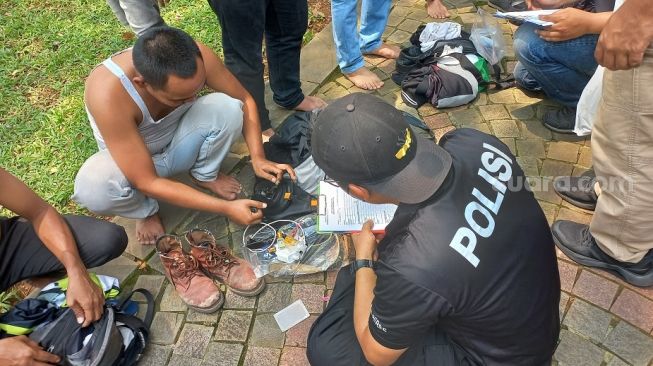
{"x":604,"y":320}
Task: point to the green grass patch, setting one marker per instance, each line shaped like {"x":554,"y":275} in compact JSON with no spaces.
{"x":47,"y":48}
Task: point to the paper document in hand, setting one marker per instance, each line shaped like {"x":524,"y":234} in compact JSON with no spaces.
{"x":531,"y":16}
{"x":340,"y":212}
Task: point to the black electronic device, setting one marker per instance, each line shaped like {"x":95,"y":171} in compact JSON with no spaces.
{"x":285,"y":200}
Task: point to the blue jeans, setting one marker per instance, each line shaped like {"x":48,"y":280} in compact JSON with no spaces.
{"x":350,"y":44}
{"x":198,"y":147}
{"x":559,"y":69}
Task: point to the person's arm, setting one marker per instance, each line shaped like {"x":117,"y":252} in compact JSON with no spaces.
{"x":375,"y":353}
{"x":626,"y":36}
{"x":570,"y":23}
{"x":130,"y":153}
{"x":222,"y":80}
{"x":83,"y":296}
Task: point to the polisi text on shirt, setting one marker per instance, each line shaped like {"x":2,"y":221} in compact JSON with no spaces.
{"x":464,"y":241}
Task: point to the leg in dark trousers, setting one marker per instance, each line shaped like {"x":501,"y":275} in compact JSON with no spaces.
{"x":332,"y":340}
{"x":243,"y":26}
{"x":285,"y":24}
{"x":23,"y":255}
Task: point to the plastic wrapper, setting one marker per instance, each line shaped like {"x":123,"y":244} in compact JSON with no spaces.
{"x":488,"y":38}
{"x":293,"y":247}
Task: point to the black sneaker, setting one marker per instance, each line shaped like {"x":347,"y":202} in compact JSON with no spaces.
{"x":560,"y":120}
{"x":577,"y":243}
{"x":508,"y":5}
{"x":579,"y":191}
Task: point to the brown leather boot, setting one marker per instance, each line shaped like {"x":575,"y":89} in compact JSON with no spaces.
{"x":183,"y":271}
{"x":218,"y":263}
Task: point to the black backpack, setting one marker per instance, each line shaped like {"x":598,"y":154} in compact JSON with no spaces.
{"x":291,"y":145}
{"x":412,"y":57}
{"x":106,"y":346}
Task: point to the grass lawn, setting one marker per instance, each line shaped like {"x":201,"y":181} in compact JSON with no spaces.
{"x":47,"y":48}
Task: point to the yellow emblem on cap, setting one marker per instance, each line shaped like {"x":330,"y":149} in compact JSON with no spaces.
{"x":404,"y":149}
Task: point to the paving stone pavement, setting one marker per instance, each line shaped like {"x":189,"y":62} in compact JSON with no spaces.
{"x":604,"y":320}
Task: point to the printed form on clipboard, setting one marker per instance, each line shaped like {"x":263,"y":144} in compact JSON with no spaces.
{"x":340,"y":212}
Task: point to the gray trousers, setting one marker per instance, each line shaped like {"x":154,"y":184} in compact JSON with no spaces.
{"x":199,"y":145}
{"x":139,"y":15}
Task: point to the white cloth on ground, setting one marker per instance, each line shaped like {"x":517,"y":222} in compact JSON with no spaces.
{"x":434,"y":32}
{"x":449,"y":50}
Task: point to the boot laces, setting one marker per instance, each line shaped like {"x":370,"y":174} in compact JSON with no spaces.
{"x":183,"y":268}
{"x":217,"y":257}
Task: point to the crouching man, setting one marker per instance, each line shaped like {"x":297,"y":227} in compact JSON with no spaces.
{"x":40,"y":242}
{"x":150,"y":124}
{"x":466,"y":273}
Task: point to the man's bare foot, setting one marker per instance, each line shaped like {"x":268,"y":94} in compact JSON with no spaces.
{"x":365,"y":79}
{"x":149,"y":229}
{"x":267,"y":134}
{"x":225,"y":186}
{"x":310,"y":103}
{"x":386,"y":50}
{"x":436,"y":9}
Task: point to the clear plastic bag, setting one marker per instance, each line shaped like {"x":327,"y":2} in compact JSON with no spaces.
{"x":488,"y":38}
{"x":293,"y":247}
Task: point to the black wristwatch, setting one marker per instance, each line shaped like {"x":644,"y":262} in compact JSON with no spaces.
{"x":362,"y":263}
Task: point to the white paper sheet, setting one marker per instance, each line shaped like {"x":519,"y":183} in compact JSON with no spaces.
{"x":340,"y":212}
{"x":291,"y":315}
{"x":530,"y":16}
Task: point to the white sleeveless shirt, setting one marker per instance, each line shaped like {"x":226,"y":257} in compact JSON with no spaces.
{"x":156,"y":134}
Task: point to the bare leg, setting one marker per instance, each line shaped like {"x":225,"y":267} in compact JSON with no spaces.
{"x":225,"y":186}
{"x":149,"y":229}
{"x":365,"y":79}
{"x":386,"y":50}
{"x":436,"y":9}
{"x":310,"y":103}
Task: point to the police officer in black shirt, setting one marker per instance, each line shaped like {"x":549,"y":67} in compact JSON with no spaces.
{"x":466,"y":273}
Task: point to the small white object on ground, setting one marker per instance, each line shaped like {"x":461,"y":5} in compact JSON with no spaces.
{"x":291,"y":315}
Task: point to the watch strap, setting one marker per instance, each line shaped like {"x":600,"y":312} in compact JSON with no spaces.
{"x":362,"y":263}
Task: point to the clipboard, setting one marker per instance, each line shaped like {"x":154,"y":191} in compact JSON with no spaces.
{"x":337,"y":211}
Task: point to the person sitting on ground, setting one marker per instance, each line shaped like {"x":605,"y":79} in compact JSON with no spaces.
{"x":618,"y":238}
{"x":436,"y":9}
{"x":40,"y":242}
{"x":150,"y":124}
{"x":351,"y":44}
{"x":466,"y":273}
{"x":559,"y":60}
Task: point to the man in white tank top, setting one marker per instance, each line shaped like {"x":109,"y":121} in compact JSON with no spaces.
{"x":150,"y":124}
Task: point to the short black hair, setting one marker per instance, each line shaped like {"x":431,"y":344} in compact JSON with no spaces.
{"x":162,"y":51}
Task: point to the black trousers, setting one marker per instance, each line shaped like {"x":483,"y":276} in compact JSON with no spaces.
{"x":23,"y":255}
{"x":332,"y":340}
{"x":244,"y":25}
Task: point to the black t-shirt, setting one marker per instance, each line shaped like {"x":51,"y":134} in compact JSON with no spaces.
{"x":476,"y":260}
